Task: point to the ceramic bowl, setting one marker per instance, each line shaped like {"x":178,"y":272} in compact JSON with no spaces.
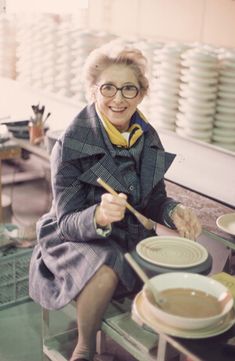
{"x":195,"y":282}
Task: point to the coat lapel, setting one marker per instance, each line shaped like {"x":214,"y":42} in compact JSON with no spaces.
{"x":155,"y":162}
{"x":90,"y":142}
{"x":106,"y":169}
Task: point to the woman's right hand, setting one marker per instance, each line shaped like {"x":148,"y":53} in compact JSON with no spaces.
{"x":111,"y":209}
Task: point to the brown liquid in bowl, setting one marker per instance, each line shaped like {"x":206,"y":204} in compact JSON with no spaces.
{"x":186,"y":302}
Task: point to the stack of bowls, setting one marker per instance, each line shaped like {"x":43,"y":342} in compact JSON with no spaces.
{"x":50,"y":53}
{"x":165,"y":86}
{"x":198,"y":88}
{"x":36,"y":52}
{"x":7,"y":47}
{"x":23,"y":52}
{"x":82,"y":43}
{"x":147,"y":47}
{"x":224,"y":126}
{"x":64,"y":60}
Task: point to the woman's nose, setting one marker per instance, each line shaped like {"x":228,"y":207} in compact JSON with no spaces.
{"x":118,"y":96}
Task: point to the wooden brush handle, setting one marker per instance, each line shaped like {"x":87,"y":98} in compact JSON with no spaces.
{"x":114,"y":193}
{"x":136,"y":268}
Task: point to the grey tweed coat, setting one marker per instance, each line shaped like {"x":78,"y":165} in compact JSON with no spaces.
{"x":69,"y":251}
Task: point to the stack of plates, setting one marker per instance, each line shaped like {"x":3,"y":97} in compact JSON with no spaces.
{"x":198,"y":88}
{"x":165,"y":86}
{"x":82,"y":43}
{"x":7,"y":47}
{"x":64,"y":59}
{"x":224,"y":126}
{"x":36,"y":51}
{"x":50,"y":54}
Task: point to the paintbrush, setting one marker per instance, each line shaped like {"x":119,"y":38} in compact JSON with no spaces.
{"x":47,"y":116}
{"x":158,"y":298}
{"x":146,"y":222}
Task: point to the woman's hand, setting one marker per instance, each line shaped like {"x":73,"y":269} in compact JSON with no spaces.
{"x":111,"y":209}
{"x":186,"y":222}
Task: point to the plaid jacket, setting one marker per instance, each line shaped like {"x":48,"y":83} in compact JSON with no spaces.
{"x":80,"y":156}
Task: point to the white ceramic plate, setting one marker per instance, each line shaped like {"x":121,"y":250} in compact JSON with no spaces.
{"x":226,"y":110}
{"x":142,"y":315}
{"x":198,"y":64}
{"x":223,"y":138}
{"x":225,"y":125}
{"x":196,"y":119}
{"x":198,"y":80}
{"x":224,"y":132}
{"x":226,"y":80}
{"x":226,"y":223}
{"x":170,"y":251}
{"x":229,"y":118}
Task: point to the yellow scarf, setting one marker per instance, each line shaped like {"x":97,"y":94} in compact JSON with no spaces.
{"x":116,"y":137}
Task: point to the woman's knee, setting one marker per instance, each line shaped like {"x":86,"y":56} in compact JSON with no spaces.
{"x":106,"y":277}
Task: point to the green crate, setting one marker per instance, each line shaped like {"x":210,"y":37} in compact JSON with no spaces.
{"x":14,"y":276}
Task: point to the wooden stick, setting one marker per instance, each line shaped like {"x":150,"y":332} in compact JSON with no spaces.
{"x":147,"y":223}
{"x":159,"y":299}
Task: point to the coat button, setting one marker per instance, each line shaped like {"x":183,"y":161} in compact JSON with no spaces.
{"x":131,"y":188}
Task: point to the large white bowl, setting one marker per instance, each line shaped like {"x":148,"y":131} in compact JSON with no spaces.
{"x":193,"y":281}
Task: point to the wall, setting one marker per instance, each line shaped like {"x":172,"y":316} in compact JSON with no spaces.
{"x":207,"y":21}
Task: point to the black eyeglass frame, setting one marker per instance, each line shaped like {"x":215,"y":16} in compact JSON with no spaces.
{"x":117,"y":89}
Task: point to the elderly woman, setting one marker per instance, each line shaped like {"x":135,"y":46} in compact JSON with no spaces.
{"x":81,"y":241}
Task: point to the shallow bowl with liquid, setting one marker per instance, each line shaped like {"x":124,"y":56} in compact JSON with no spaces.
{"x":190,"y":301}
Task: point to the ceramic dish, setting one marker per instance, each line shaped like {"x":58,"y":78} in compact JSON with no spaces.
{"x":225,"y":125}
{"x":204,"y":135}
{"x":225,"y":102}
{"x":228,"y":118}
{"x":226,"y":80}
{"x":223,"y":138}
{"x":192,"y":301}
{"x":198,"y":80}
{"x":194,"y":126}
{"x":193,"y":110}
{"x":226,"y":223}
{"x":141,"y":314}
{"x":202,"y":88}
{"x":226,"y":132}
{"x":164,"y":111}
{"x":170,"y":251}
{"x":197,"y":64}
{"x":226,"y":94}
{"x":228,"y":88}
{"x":201,"y":73}
{"x":196,"y":95}
{"x":183,"y":133}
{"x":199,"y":55}
{"x":227,"y":73}
{"x":227,"y":110}
{"x":203,"y":103}
{"x":195,"y":119}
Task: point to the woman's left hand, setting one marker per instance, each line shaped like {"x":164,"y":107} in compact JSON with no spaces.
{"x":186,"y":222}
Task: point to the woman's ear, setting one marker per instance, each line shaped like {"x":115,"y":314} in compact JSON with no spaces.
{"x":141,"y":96}
{"x":93,"y":93}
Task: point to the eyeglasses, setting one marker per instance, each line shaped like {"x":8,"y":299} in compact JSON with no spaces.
{"x":110,"y":90}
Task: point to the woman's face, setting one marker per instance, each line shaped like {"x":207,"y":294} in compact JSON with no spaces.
{"x":118,"y":109}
